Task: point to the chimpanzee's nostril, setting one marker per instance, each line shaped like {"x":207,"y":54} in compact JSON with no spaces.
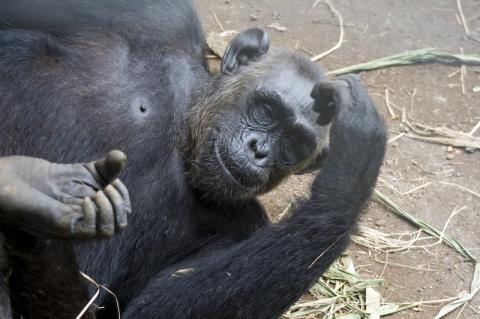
{"x":260,"y":155}
{"x":253,"y":145}
{"x":258,"y":150}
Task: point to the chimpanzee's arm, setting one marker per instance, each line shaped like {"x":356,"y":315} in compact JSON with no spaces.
{"x":63,"y":200}
{"x":263,"y":275}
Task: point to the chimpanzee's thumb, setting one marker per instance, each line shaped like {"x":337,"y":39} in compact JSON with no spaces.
{"x":110,"y":167}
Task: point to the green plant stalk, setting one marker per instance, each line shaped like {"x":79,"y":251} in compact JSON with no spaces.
{"x":427,"y":55}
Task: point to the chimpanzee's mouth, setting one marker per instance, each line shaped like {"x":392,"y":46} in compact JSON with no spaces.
{"x":233,"y":171}
{"x":223,"y":163}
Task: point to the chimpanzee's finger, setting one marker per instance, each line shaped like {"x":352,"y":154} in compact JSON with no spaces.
{"x":69,"y":200}
{"x":105,"y":216}
{"x":74,"y":221}
{"x":118,"y":205}
{"x":110,"y":167}
{"x":122,"y":189}
{"x":326,"y":99}
{"x":89,"y":221}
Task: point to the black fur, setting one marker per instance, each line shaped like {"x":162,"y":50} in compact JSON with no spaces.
{"x":72,"y":94}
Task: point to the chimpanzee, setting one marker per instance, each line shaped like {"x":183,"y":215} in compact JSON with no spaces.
{"x":79,"y":78}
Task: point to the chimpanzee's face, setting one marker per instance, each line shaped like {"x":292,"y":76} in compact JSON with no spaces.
{"x":262,"y":128}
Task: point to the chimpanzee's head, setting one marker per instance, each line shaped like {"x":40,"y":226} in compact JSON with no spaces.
{"x":267,"y":116}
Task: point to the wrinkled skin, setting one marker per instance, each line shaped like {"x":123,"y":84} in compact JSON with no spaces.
{"x":63,"y":200}
{"x":263,"y":133}
{"x":40,"y":200}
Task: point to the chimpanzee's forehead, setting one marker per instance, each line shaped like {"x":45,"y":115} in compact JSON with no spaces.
{"x":293,"y":88}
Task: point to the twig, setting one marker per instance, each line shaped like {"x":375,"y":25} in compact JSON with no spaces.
{"x":416,"y":188}
{"x":218,"y":21}
{"x":474,"y":129}
{"x":463,"y":72}
{"x":395,"y":138}
{"x":340,"y":39}
{"x":284,"y":213}
{"x":377,"y":260}
{"x":87,"y":306}
{"x":301,"y":48}
{"x":454,"y":72}
{"x":462,"y":188}
{"x":464,"y":21}
{"x":438,"y":135}
{"x":95,"y":296}
{"x":468,"y":190}
{"x":393,"y":116}
{"x":385,"y":265}
{"x":461,"y":310}
{"x":325,"y":251}
{"x":462,"y":17}
{"x":454,"y":213}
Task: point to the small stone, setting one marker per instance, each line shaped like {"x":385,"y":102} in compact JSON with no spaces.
{"x":440,"y":99}
{"x":253,"y":17}
{"x":458,"y":174}
{"x":450,"y":156}
{"x":277,"y":27}
{"x":450,"y":149}
{"x":379,"y":223}
{"x":476,"y":89}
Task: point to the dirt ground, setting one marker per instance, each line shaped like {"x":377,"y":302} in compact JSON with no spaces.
{"x":375,"y":29}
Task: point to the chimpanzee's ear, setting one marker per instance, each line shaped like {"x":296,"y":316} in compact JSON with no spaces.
{"x":316,"y":164}
{"x":247,"y":46}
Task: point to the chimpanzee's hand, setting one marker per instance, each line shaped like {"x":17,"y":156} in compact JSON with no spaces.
{"x":357,"y":136}
{"x":64,"y":200}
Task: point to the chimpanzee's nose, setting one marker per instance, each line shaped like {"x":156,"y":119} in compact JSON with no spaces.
{"x":258,"y":149}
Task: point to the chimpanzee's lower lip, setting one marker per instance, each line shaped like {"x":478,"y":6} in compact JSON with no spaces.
{"x":222,"y":164}
{"x":230,"y":172}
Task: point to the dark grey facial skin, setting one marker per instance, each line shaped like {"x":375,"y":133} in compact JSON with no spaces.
{"x":266,"y":128}
{"x":75,"y":201}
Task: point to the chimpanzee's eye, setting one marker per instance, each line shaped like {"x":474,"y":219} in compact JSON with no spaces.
{"x":263,"y":114}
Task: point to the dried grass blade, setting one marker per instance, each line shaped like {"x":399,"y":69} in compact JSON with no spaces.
{"x":380,"y":197}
